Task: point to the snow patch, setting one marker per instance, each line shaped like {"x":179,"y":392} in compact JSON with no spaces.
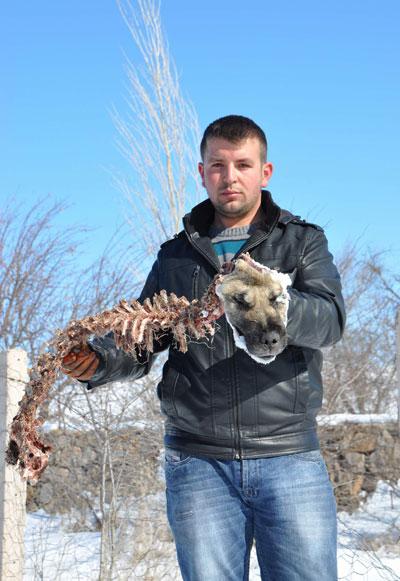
{"x":55,"y":555}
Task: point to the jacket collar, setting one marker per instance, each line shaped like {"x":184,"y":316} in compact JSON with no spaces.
{"x":199,"y":220}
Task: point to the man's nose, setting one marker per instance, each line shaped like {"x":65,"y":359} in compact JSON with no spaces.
{"x":230,"y":174}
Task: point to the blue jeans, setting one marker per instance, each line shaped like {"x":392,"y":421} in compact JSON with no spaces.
{"x":216,"y":508}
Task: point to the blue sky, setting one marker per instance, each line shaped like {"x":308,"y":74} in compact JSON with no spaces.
{"x":321,"y":78}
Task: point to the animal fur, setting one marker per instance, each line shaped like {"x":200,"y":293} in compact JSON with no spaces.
{"x":256,"y":303}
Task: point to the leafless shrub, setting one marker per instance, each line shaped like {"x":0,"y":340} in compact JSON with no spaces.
{"x":359,"y":371}
{"x":41,"y":289}
{"x":36,"y":268}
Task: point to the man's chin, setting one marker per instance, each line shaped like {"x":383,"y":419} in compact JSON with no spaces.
{"x":231,"y":209}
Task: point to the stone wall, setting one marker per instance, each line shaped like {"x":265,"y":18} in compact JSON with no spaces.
{"x":357,"y":457}
{"x":71,"y":483}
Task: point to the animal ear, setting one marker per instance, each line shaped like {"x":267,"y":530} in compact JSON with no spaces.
{"x":240,"y":265}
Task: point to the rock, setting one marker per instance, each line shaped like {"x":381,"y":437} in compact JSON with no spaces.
{"x":385,"y":439}
{"x":370,"y":482}
{"x":356,"y":461}
{"x":363,"y":443}
{"x":46,"y":494}
{"x":357,"y":485}
{"x":357,"y":457}
{"x":378,"y":461}
{"x":396,"y":454}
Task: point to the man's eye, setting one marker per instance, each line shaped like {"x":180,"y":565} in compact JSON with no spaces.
{"x":244,"y":165}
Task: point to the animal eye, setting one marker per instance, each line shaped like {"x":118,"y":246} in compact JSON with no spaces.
{"x":241,"y":300}
{"x":275,"y":298}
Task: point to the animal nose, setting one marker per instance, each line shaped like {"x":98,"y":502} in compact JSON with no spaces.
{"x":271,"y":338}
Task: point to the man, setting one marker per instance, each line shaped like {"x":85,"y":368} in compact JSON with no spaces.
{"x":242,"y":458}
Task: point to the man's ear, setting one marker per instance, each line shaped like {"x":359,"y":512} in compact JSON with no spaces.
{"x":268,"y":169}
{"x":200,"y":167}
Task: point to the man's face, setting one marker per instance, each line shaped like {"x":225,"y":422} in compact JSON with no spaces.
{"x":233,"y":175}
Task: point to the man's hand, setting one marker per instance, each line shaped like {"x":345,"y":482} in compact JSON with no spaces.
{"x":80,"y":363}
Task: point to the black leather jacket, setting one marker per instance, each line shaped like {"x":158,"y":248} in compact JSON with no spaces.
{"x":217,"y":401}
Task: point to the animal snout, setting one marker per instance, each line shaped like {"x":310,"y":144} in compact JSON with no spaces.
{"x":271,"y":339}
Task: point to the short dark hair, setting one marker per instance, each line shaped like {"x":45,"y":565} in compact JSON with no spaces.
{"x":234,"y":128}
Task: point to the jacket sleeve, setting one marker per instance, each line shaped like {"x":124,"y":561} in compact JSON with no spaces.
{"x":115,"y":364}
{"x":316,"y":315}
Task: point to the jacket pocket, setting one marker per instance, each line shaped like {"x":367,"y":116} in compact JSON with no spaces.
{"x":195,"y":282}
{"x":174,"y":392}
{"x":307,"y":394}
{"x":166,"y":390}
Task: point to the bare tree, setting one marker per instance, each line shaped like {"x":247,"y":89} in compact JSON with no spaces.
{"x":159,"y":136}
{"x":359,"y":371}
{"x":104,"y":473}
{"x":41,"y":288}
{"x":36,"y":269}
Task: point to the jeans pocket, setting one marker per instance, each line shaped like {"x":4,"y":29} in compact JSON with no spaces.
{"x":174,"y":457}
{"x":310,"y":456}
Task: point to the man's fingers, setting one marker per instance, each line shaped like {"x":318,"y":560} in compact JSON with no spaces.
{"x":81,"y":365}
{"x":89,"y":371}
{"x":69,"y":359}
{"x":73,"y":360}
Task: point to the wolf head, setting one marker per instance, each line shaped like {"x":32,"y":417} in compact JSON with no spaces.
{"x":256,"y":301}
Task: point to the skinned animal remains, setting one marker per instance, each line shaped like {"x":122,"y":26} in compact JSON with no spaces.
{"x":253,"y":297}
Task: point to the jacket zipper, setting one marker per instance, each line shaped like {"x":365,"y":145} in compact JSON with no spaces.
{"x":195,"y":282}
{"x":229,"y":344}
{"x":200,"y":251}
{"x":237,"y":449}
{"x":236,"y":399}
{"x":254,"y":244}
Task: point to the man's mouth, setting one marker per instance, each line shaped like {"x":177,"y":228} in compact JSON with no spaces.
{"x":230,"y":193}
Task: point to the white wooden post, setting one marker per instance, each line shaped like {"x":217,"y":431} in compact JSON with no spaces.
{"x":398,"y":367}
{"x":13,"y":378}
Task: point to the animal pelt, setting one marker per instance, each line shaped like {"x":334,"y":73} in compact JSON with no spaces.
{"x":256,"y":303}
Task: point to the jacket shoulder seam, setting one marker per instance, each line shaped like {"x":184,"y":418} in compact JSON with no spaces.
{"x":305,"y":223}
{"x":309,"y":234}
{"x":178,"y":235}
{"x":287,"y":217}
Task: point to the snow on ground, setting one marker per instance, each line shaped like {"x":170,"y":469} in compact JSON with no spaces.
{"x":369,"y":545}
{"x":51,"y":554}
{"x":369,"y":539}
{"x":336,"y":419}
